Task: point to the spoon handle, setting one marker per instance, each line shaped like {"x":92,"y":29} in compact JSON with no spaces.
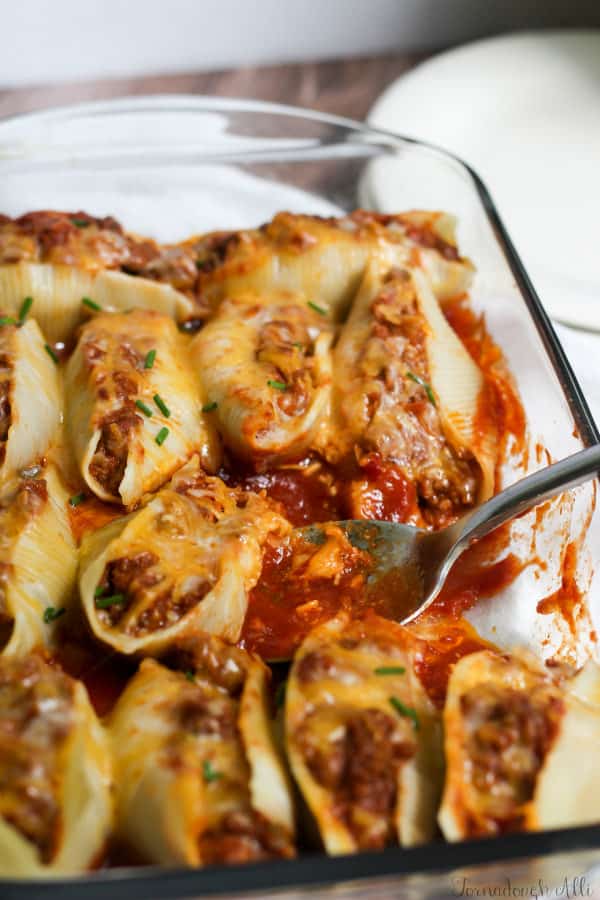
{"x":528,"y":492}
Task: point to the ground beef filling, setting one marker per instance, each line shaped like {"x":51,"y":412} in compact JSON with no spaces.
{"x":35,"y":718}
{"x":109,"y":461}
{"x":208,"y":658}
{"x":237,"y":833}
{"x":244,"y":836}
{"x":508,"y":734}
{"x":360,"y":768}
{"x":141,"y":583}
{"x":5,"y":407}
{"x":128,"y":577}
{"x":286,"y":345}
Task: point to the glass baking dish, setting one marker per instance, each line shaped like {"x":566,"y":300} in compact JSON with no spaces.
{"x":169,"y":166}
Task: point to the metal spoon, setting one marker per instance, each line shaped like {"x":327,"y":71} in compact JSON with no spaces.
{"x":420,"y":560}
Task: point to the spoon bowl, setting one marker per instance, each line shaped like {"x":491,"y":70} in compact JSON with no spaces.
{"x":418,"y":561}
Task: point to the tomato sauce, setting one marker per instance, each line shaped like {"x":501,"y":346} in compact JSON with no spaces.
{"x":103,"y":671}
{"x":438,"y":649}
{"x":381,"y":491}
{"x":500,"y":404}
{"x":284,"y":605}
{"x":307,"y":491}
{"x":567,"y":601}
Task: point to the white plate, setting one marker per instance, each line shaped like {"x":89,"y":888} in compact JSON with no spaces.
{"x":524,"y":111}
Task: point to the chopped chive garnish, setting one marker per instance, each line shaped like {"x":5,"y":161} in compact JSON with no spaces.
{"x":298,"y":345}
{"x":189,"y":675}
{"x":280,"y":694}
{"x":162,"y":405}
{"x":7,"y":320}
{"x":76,"y":500}
{"x":30,"y":472}
{"x":162,"y":436}
{"x":426,"y":387}
{"x":210,"y":407}
{"x":80,"y":223}
{"x":113,"y":600}
{"x":390,"y":670}
{"x":51,"y":613}
{"x":144,"y":408}
{"x":317,"y":308}
{"x":278,"y":385}
{"x":406,"y":711}
{"x":208,"y":772}
{"x":150,"y":357}
{"x":201,"y":264}
{"x":50,"y":353}
{"x":25,"y":307}
{"x":100,"y":591}
{"x":91,"y":303}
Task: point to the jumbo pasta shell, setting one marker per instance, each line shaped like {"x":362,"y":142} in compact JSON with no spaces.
{"x":59,"y":289}
{"x":362,"y":738}
{"x":187,"y":560}
{"x":183,"y":768}
{"x":133,"y":424}
{"x":265,"y":364}
{"x":31,"y":398}
{"x":38,"y":560}
{"x":70,"y":779}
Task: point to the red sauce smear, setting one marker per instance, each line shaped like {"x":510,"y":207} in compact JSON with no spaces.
{"x":481,"y":572}
{"x":567,"y":600}
{"x":438,"y":650}
{"x":103,"y":671}
{"x":499,"y":402}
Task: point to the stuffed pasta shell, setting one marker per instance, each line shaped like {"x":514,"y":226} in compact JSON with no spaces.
{"x":325,"y":259}
{"x":134,"y":412}
{"x":199,"y":780}
{"x":264,"y":363}
{"x":186,"y":560}
{"x":406,"y":397}
{"x":30,"y":400}
{"x":517,"y":751}
{"x":55,"y":774}
{"x":60,"y":258}
{"x":363,"y":739}
{"x":38,"y":561}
